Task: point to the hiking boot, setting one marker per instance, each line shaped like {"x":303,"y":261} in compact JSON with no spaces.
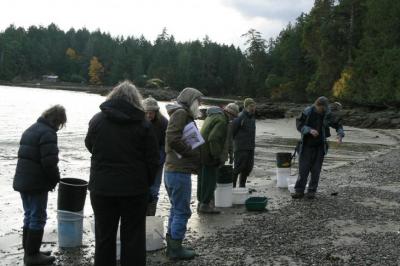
{"x":33,"y":256}
{"x":297,"y":195}
{"x":310,"y":195}
{"x":24,"y":235}
{"x":207,"y":209}
{"x":176,"y":251}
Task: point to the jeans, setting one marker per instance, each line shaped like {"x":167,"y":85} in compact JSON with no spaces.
{"x":108,"y":210}
{"x":179,"y":189}
{"x":206,"y":183}
{"x":35,"y":205}
{"x":155,"y":188}
{"x":311,"y":160}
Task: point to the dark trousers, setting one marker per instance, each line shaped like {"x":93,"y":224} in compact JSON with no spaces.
{"x":243,"y":165}
{"x":310,"y":161}
{"x":206,"y":183}
{"x":107,"y":213}
{"x":35,"y":205}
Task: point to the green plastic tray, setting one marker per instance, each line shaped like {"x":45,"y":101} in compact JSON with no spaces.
{"x":256,"y":203}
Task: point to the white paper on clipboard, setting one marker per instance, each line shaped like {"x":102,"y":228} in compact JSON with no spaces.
{"x":191,"y":136}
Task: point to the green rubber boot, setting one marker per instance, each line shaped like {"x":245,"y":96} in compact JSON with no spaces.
{"x":176,"y":251}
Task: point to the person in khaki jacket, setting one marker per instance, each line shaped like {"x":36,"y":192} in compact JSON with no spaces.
{"x":181,"y":162}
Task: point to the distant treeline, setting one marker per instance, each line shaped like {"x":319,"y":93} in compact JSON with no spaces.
{"x":344,"y":49}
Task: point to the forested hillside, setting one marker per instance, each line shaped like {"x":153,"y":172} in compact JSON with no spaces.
{"x":346,"y":49}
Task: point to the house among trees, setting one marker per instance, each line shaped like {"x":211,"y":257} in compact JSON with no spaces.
{"x":50,"y":78}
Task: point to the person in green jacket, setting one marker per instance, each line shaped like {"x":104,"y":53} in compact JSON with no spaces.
{"x":214,"y":132}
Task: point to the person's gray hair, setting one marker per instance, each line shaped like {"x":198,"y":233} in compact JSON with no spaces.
{"x":128,"y":92}
{"x":56,"y":116}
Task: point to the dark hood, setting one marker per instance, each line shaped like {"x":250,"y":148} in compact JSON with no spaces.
{"x":46,"y":122}
{"x":121,"y":111}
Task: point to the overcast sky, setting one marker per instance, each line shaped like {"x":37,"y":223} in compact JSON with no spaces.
{"x":224,"y":21}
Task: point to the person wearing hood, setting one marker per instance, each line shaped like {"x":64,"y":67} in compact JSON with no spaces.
{"x":244,"y":135}
{"x":125,"y":160}
{"x":160,"y":123}
{"x":215,"y":133}
{"x":36,"y":174}
{"x":181,"y":162}
{"x":313,"y":124}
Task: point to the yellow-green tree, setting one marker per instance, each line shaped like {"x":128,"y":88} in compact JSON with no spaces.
{"x":71,"y":53}
{"x":96,"y":70}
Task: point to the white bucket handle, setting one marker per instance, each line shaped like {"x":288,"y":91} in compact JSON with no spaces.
{"x":72,"y":213}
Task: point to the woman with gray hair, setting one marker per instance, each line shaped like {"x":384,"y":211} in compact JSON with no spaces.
{"x":36,"y":174}
{"x":125,"y":160}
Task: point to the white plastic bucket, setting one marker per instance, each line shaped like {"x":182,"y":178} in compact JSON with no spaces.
{"x":282,"y":175}
{"x":240,"y":195}
{"x":223,"y":195}
{"x":70,"y":228}
{"x":154,"y":233}
{"x":291,"y":181}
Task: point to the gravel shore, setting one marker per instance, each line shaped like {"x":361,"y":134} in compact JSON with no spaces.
{"x":358,"y":226}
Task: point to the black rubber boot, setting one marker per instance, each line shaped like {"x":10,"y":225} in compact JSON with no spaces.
{"x":32,"y":249}
{"x":207,"y":209}
{"x":24,"y":234}
{"x":176,"y":251}
{"x":298,"y":195}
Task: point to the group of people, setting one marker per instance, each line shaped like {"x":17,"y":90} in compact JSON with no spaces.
{"x":132,"y":144}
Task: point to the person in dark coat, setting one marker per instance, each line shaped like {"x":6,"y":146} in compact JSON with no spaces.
{"x":160,"y":124}
{"x":313,"y":124}
{"x":244,"y":142}
{"x":36,"y":174}
{"x":124,"y":164}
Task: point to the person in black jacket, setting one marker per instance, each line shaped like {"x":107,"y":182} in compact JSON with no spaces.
{"x":160,"y":124}
{"x":314,"y":125}
{"x":244,"y":142}
{"x":124,"y":164}
{"x":36,"y":174}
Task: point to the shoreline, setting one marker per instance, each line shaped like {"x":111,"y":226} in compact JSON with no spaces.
{"x":362,"y":117}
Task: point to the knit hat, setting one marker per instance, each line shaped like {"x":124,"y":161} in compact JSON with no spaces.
{"x":322,"y":101}
{"x":232,"y":109}
{"x":248,"y":101}
{"x":150,"y":104}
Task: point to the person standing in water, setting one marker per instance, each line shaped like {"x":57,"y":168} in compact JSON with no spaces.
{"x":313,"y":124}
{"x":160,"y":123}
{"x":244,"y":135}
{"x":36,"y":174}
